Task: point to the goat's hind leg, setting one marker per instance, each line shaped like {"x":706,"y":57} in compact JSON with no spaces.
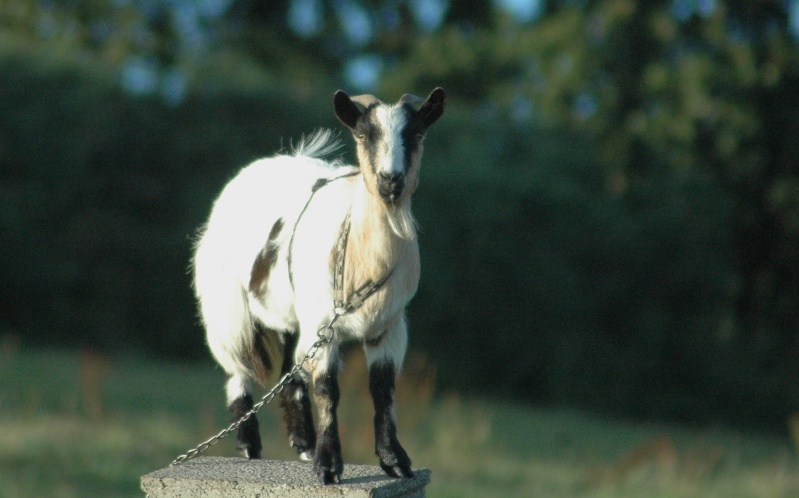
{"x":248,"y":438}
{"x":297,"y":405}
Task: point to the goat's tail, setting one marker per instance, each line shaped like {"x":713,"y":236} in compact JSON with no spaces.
{"x":319,"y":144}
{"x":243,"y":349}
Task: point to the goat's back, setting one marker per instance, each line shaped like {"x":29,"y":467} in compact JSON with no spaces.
{"x":264,"y":196}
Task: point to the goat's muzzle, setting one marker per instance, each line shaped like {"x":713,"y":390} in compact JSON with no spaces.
{"x":390,"y":186}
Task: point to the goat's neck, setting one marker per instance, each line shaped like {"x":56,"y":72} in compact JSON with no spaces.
{"x":381,"y":238}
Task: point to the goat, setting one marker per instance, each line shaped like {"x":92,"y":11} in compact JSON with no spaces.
{"x":264,"y":271}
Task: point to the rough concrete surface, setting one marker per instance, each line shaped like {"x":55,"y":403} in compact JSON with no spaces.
{"x":238,"y":477}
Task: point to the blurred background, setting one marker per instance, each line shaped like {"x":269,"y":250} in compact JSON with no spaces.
{"x":609,"y":208}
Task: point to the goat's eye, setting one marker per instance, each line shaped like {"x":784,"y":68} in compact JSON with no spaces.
{"x":419,"y":137}
{"x":360,"y":137}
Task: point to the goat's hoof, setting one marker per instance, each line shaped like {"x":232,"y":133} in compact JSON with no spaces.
{"x":250,"y":446}
{"x":394,"y":460}
{"x":251,"y":452}
{"x":328,"y":466}
{"x":253,"y":455}
{"x":397,"y":470}
{"x":328,"y":477}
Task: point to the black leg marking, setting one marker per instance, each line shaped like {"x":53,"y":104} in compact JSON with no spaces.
{"x":328,"y":463}
{"x":393,"y":458}
{"x":297,"y":405}
{"x":248,"y":438}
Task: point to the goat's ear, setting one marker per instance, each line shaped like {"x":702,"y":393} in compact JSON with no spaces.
{"x":433,"y":107}
{"x":346,"y":110}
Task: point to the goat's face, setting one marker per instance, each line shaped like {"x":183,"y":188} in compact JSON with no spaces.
{"x":389,"y":139}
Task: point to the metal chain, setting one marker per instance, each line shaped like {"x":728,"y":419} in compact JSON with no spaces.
{"x":340,"y":308}
{"x":324,"y":338}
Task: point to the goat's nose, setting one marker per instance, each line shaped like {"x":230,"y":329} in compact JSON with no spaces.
{"x":389,"y":177}
{"x":390,"y":185}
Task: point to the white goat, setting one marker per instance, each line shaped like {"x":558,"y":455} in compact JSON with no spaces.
{"x":265,"y":270}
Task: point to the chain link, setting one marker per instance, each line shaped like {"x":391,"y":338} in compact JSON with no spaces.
{"x":325,"y":336}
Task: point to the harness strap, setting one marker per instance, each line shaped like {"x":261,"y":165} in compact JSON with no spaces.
{"x":360,"y":295}
{"x":341,"y":305}
{"x":316,"y":186}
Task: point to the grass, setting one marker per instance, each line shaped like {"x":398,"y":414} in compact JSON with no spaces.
{"x":82,"y":425}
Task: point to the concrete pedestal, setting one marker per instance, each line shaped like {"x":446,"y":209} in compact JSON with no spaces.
{"x":239,"y":477}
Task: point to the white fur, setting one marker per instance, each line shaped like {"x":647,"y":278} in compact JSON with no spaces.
{"x":239,"y":226}
{"x":392,"y":120}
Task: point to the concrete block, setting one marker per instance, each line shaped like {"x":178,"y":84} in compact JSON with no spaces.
{"x":207,"y":477}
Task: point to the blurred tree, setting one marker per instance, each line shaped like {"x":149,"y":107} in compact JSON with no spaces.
{"x":699,"y":87}
{"x":622,"y":173}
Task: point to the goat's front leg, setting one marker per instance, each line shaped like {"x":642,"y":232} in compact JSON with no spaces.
{"x":327,"y":462}
{"x":384,"y":356}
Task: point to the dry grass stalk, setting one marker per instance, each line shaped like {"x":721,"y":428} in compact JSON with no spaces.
{"x":94,"y":368}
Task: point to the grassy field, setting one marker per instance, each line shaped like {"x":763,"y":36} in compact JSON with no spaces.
{"x":76,"y":424}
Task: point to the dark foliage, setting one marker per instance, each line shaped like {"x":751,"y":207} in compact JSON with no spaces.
{"x":609,"y":215}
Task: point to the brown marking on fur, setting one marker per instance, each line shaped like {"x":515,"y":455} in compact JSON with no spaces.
{"x":258,"y":360}
{"x":264,"y":262}
{"x":262,"y":353}
{"x":326,"y":399}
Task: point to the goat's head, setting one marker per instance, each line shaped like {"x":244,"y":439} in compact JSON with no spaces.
{"x":389,"y":138}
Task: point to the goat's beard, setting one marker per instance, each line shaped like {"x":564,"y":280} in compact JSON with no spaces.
{"x":401,"y":220}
